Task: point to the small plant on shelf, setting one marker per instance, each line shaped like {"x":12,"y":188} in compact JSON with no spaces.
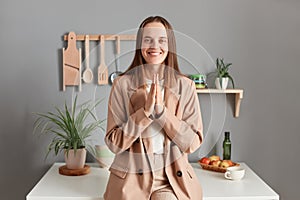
{"x":222,"y":74}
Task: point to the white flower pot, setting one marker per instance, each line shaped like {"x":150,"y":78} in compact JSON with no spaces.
{"x":221,"y":85}
{"x":75,"y":160}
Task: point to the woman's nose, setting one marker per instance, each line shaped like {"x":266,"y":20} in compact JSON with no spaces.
{"x":155,"y":44}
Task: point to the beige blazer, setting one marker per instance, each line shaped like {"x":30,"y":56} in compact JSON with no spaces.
{"x":127,"y":136}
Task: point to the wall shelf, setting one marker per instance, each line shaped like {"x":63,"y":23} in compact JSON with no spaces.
{"x":237,"y":92}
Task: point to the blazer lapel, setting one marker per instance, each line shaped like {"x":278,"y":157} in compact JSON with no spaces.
{"x":171,"y":100}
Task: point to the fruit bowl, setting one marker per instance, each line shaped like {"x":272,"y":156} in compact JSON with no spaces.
{"x":215,"y":168}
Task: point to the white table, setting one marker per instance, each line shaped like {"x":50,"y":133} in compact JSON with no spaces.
{"x":54,"y":186}
{"x":216,"y":187}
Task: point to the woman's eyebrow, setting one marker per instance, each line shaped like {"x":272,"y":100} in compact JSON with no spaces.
{"x":161,"y":37}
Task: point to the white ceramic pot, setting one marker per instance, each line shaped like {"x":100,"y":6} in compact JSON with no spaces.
{"x":75,"y":160}
{"x":221,"y":85}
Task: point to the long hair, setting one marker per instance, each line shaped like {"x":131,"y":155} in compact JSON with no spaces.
{"x":171,"y":59}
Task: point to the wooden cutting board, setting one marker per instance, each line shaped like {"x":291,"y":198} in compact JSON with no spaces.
{"x":71,"y":63}
{"x":63,"y":170}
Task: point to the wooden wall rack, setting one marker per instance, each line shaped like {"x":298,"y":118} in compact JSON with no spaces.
{"x":106,"y":37}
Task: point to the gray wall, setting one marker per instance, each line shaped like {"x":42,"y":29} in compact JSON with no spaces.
{"x":260,"y":38}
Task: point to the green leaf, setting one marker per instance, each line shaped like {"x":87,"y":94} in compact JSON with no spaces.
{"x":53,"y":120}
{"x":60,"y":134}
{"x":218,"y":64}
{"x":228,"y":65}
{"x":57,"y":146}
{"x":74,"y":108}
{"x":37,"y":124}
{"x":222,"y":63}
{"x":231,"y":79}
{"x":61,"y":115}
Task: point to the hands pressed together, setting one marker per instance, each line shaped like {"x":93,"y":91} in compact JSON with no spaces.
{"x":154,"y":102}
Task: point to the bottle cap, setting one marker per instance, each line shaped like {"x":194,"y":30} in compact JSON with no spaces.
{"x":227,"y":133}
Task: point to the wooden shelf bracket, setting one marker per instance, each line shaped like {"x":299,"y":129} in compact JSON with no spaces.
{"x":238,"y":99}
{"x":237,"y":92}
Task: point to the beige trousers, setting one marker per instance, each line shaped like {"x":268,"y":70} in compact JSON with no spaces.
{"x":161,"y":189}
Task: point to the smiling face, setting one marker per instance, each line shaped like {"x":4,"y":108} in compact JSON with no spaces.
{"x":154,"y":43}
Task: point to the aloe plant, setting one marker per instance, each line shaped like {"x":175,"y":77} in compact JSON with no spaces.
{"x":222,"y":70}
{"x":68,"y":127}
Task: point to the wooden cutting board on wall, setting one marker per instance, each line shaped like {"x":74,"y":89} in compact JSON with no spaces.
{"x":71,"y":63}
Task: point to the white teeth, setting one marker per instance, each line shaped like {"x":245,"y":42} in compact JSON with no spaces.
{"x":154,"y":53}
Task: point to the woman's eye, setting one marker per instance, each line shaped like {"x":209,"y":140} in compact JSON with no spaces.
{"x":147,"y":40}
{"x":162,"y":41}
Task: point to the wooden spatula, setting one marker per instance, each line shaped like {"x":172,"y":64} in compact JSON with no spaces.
{"x":102,"y":69}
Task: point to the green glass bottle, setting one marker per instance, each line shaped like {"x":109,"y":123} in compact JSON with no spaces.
{"x":227,"y":147}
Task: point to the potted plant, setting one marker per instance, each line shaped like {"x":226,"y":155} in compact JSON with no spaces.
{"x":222,"y":74}
{"x":70,"y":131}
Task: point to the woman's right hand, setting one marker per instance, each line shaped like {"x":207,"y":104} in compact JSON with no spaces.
{"x":150,"y":102}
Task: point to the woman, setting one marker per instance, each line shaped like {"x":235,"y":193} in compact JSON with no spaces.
{"x":153,"y":123}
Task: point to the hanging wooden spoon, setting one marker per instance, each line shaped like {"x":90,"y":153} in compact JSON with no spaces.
{"x":87,"y":74}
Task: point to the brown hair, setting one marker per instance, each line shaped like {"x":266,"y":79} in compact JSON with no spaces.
{"x":171,"y":59}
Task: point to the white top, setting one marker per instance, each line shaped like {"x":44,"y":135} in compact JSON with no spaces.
{"x":155,"y":129}
{"x":54,"y":186}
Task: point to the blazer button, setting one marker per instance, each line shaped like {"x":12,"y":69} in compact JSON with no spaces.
{"x":179,"y":173}
{"x":140,"y":172}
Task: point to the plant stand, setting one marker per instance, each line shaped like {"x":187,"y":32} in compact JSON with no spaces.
{"x":63,"y":170}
